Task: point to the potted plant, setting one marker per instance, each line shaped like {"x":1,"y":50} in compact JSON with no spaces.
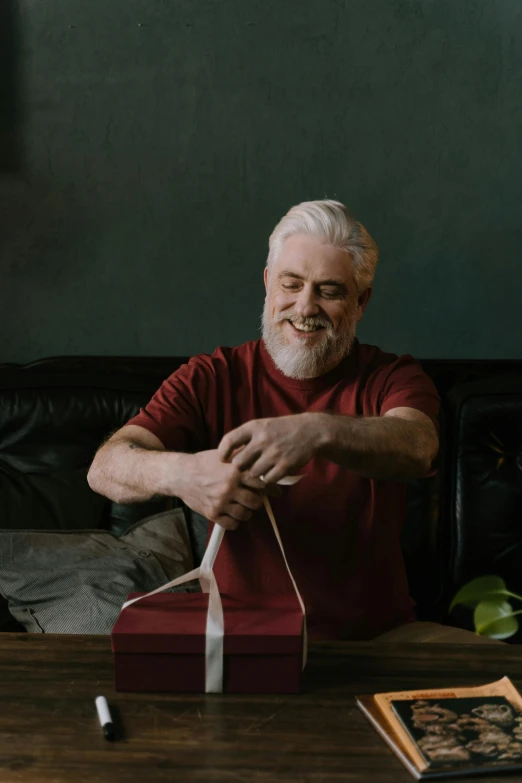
{"x":493,"y":614}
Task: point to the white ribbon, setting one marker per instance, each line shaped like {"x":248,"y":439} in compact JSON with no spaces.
{"x":215,"y":628}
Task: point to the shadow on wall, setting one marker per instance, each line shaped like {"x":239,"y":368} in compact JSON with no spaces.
{"x":10,"y":89}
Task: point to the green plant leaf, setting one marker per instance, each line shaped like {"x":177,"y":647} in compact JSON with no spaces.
{"x":480,"y":589}
{"x":494,"y":618}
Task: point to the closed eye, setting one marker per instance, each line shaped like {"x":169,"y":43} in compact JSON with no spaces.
{"x":331,"y":293}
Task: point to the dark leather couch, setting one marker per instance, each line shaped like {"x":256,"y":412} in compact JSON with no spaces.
{"x":464,"y":522}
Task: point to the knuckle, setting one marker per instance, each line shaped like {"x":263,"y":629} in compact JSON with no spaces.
{"x":230,"y":486}
{"x":222,"y":451}
{"x":225,"y":441}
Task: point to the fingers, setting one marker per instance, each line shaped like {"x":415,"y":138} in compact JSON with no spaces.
{"x":248,"y":499}
{"x":270,"y":468}
{"x":253,"y":482}
{"x":244,"y":504}
{"x":226,"y":522}
{"x":233,"y":514}
{"x":256,"y":482}
{"x":245,"y":458}
{"x":272,"y":473}
{"x":238,"y":512}
{"x":233,"y":441}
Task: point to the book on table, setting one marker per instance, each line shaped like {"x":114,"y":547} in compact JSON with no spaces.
{"x":452,"y":731}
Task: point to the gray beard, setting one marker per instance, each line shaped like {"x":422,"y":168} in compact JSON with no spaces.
{"x":306,"y":361}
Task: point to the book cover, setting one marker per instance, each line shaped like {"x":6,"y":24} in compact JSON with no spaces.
{"x":449,"y":732}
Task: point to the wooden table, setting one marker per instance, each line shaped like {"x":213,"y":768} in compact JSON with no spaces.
{"x":49,"y":731}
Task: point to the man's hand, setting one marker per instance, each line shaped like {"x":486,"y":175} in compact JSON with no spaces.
{"x":274,"y":448}
{"x":219,"y":490}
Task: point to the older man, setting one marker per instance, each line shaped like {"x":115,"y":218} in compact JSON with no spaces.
{"x":308,"y":397}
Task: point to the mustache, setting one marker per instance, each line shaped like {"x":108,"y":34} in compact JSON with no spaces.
{"x":295,"y":318}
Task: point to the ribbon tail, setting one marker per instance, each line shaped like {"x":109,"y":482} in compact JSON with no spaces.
{"x":214,"y":641}
{"x":215,"y":620}
{"x":188,"y":577}
{"x":271,"y":516}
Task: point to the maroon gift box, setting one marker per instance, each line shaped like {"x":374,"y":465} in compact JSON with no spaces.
{"x":159,"y":644}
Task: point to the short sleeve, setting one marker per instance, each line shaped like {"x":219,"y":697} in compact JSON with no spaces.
{"x":406,"y":385}
{"x":175,"y":414}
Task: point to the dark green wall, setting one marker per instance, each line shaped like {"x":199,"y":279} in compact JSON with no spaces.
{"x":163,"y":139}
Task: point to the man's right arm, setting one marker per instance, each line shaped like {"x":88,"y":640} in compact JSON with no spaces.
{"x":134,"y":466}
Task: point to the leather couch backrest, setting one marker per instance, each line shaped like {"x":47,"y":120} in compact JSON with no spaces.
{"x":51,"y":424}
{"x":483,"y":508}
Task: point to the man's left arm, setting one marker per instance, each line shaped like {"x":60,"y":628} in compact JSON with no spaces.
{"x":399,"y":445}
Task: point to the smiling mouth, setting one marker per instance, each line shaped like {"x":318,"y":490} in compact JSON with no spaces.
{"x":305,"y":330}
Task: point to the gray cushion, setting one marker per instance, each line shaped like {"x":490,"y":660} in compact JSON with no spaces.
{"x":76,"y":581}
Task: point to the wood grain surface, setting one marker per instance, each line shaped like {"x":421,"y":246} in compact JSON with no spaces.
{"x":49,"y":731}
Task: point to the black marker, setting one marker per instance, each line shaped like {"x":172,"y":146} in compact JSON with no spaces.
{"x":104,"y":716}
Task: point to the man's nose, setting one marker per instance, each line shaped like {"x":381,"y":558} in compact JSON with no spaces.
{"x":306,"y":304}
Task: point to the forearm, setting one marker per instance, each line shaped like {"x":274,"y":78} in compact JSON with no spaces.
{"x":127,"y":473}
{"x":385,"y":448}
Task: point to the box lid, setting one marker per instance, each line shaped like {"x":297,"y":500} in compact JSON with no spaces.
{"x":176,"y":623}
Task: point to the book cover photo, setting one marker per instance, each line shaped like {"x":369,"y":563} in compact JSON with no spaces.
{"x":442,"y":733}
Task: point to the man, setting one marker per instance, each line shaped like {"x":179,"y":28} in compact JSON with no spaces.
{"x":309,"y":398}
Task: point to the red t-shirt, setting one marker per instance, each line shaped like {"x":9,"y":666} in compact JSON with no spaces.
{"x":340,"y":530}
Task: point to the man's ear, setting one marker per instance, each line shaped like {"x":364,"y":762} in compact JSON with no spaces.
{"x":363,"y":300}
{"x":265,"y":278}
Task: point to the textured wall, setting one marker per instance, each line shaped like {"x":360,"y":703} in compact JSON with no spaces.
{"x":163,"y":139}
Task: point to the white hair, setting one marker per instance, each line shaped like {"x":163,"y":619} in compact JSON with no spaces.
{"x":331,"y":222}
